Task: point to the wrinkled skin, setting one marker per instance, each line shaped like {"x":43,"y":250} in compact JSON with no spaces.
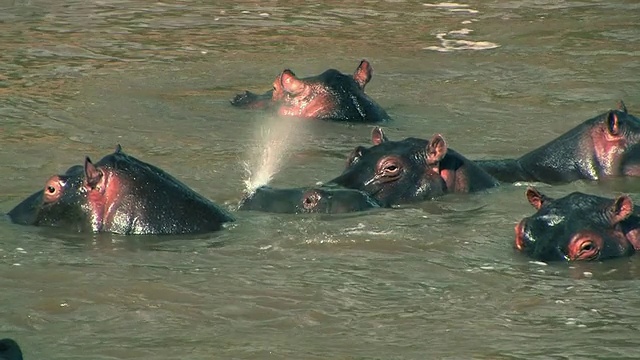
{"x":331,"y":95}
{"x":10,"y":350}
{"x":607,"y":145}
{"x":327,"y":200}
{"x":579,"y":227}
{"x":119,"y":194}
{"x":396,"y":172}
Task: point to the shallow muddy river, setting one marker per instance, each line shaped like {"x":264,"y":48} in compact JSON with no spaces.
{"x":437,"y":279}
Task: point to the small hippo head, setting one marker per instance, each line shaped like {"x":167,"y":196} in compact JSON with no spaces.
{"x":325,"y":200}
{"x":331,"y":95}
{"x":396,"y":171}
{"x":578,"y":227}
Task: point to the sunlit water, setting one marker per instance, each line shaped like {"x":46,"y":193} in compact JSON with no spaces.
{"x":433,"y":280}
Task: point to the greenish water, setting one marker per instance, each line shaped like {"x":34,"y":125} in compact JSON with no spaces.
{"x":432,"y":280}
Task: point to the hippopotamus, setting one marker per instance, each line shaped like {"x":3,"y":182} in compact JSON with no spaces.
{"x":607,"y":145}
{"x":10,"y":350}
{"x":395,"y":172}
{"x":327,"y":200}
{"x":578,"y":226}
{"x":119,"y":194}
{"x":331,"y":95}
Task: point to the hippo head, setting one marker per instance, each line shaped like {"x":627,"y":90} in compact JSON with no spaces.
{"x":396,"y":171}
{"x":331,"y":95}
{"x":578,"y":227}
{"x":615,"y":136}
{"x":62,"y":202}
{"x":307,"y":200}
{"x":119,"y":194}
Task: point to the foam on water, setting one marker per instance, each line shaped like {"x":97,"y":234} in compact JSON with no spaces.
{"x":275,"y":138}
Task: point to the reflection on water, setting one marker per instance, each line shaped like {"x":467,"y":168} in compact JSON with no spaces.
{"x":436,"y":280}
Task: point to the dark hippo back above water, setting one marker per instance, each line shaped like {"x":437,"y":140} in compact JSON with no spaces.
{"x":607,"y":145}
{"x":579,"y":226}
{"x":10,"y":350}
{"x":327,"y":200}
{"x":331,"y":95}
{"x":120,"y":194}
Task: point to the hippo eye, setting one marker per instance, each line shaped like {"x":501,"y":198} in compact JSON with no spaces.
{"x":53,"y":189}
{"x":391,"y":170}
{"x":587,"y":246}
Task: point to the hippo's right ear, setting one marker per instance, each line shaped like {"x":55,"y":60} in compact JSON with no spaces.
{"x":118,"y":149}
{"x":536,"y":198}
{"x":621,"y":209}
{"x":436,"y":149}
{"x":378,"y":136}
{"x":290,"y":83}
{"x":92,"y":173}
{"x":363,"y":74}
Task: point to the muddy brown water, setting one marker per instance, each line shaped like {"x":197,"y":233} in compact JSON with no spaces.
{"x":433,"y":280}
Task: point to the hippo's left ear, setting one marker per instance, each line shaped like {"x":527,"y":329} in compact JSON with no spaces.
{"x":535,"y":197}
{"x":436,"y":149}
{"x":378,"y":136}
{"x":92,"y":173}
{"x":363,"y":74}
{"x":621,"y":209}
{"x":118,"y":149}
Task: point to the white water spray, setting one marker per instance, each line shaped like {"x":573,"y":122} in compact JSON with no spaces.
{"x":276,"y":138}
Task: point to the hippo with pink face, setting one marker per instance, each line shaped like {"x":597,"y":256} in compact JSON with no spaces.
{"x":123,"y":195}
{"x":331,"y":95}
{"x":579,"y":226}
{"x":607,"y":145}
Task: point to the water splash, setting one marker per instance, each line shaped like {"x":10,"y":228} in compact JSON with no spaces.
{"x":276,"y":138}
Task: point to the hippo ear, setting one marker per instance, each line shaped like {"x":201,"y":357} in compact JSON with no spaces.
{"x":92,"y":173}
{"x":613,"y":123}
{"x":363,"y":74}
{"x":622,"y":107}
{"x":118,"y":149}
{"x":378,"y":136}
{"x":621,"y":209}
{"x":535,"y":197}
{"x":290,"y":83}
{"x":436,"y":149}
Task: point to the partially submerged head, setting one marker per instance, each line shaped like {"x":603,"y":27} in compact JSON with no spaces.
{"x":578,"y":227}
{"x":327,"y":200}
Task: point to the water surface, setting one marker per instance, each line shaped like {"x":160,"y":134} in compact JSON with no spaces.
{"x":433,"y":280}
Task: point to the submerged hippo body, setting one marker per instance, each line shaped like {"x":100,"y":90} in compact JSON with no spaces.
{"x":308,"y":200}
{"x":331,"y":95}
{"x":412,"y":169}
{"x":579,"y":227}
{"x":10,"y":350}
{"x":119,"y":194}
{"x":607,"y":145}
